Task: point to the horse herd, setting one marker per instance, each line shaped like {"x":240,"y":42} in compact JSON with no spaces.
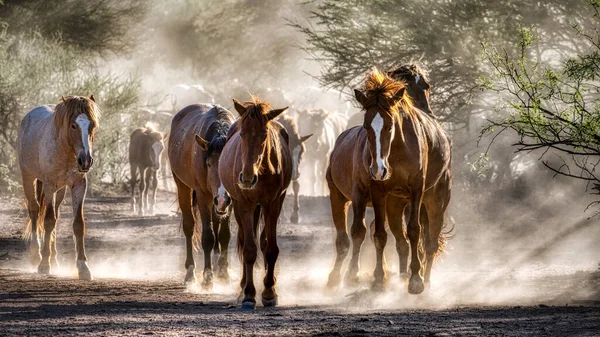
{"x":396,"y":160}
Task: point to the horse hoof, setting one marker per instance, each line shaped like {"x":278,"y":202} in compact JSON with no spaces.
{"x":333,"y":281}
{"x":207,"y":279}
{"x":248,"y":306}
{"x":269,"y":303}
{"x":84,"y":271}
{"x":377,"y":286}
{"x":44,"y":269}
{"x":352,"y":281}
{"x":223,"y":276}
{"x":404,"y":276}
{"x":294,"y":218}
{"x":190,"y":276}
{"x":415,"y":285}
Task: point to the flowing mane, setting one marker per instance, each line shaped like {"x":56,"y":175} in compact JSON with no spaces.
{"x":258,"y":109}
{"x":409,"y":70}
{"x":151,"y":131}
{"x":72,"y":106}
{"x":289,"y":124}
{"x":379,"y":88}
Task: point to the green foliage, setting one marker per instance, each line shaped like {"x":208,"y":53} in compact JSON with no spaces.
{"x":553,"y":107}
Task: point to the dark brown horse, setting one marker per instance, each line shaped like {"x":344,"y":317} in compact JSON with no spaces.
{"x":417,"y":84}
{"x":145,"y":150}
{"x":198,"y":134}
{"x":256,"y":169}
{"x":399,"y":157}
{"x":297,"y":149}
{"x":55,"y":151}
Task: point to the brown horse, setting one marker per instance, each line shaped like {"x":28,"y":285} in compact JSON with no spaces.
{"x":197,"y":137}
{"x":145,"y":150}
{"x":399,"y":157}
{"x":55,"y":151}
{"x":297,"y":149}
{"x":416,"y":83}
{"x":256,"y":169}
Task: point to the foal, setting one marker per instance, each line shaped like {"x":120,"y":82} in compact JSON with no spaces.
{"x":145,"y":150}
{"x":256,"y":169}
{"x":55,"y":151}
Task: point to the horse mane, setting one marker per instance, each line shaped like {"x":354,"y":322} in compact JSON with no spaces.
{"x":409,"y":70}
{"x":216,"y":135}
{"x":380,"y":87}
{"x":257,"y":109}
{"x":151,"y":131}
{"x":290,"y":125}
{"x":72,"y":106}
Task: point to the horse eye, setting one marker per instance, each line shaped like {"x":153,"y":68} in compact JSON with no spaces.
{"x":207,"y":164}
{"x":73,"y":126}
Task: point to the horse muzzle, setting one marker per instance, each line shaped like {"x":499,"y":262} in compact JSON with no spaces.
{"x":246,"y":184}
{"x":84,"y":163}
{"x":221,"y":204}
{"x":380,"y":174}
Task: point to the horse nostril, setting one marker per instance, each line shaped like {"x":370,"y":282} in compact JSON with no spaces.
{"x":254,"y":179}
{"x":384,"y":172}
{"x":215,"y":201}
{"x":91,"y":161}
{"x":241,"y":177}
{"x":79,"y":161}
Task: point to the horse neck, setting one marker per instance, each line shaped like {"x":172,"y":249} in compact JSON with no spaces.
{"x":59,"y":144}
{"x":273,"y":145}
{"x":401,"y":144}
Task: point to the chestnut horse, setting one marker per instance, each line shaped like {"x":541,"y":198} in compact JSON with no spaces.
{"x":399,"y":157}
{"x":297,"y":149}
{"x":145,"y":150}
{"x":198,"y":134}
{"x":55,"y":151}
{"x":256,"y":169}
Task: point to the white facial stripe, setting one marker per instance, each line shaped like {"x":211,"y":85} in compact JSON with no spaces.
{"x":417,"y":79}
{"x":221,"y":196}
{"x":295,"y":159}
{"x":157,"y":147}
{"x":377,"y":126}
{"x":84,"y":125}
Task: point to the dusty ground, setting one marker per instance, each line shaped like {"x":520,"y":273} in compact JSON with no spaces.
{"x":493,"y":281}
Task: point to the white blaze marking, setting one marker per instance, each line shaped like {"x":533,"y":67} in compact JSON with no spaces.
{"x":377,"y":125}
{"x":84,"y":125}
{"x":221,"y":197}
{"x":417,"y":79}
{"x":157,"y":147}
{"x":295,"y":159}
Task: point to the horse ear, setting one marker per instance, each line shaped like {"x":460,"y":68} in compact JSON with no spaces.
{"x":399,"y":94}
{"x":63,"y":99}
{"x":239,"y":107}
{"x":274,"y":113}
{"x":305,"y":138}
{"x":360,"y":97}
{"x":93,"y":98}
{"x":202,"y":142}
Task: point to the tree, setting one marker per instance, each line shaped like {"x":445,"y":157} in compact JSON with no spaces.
{"x":554,"y":107}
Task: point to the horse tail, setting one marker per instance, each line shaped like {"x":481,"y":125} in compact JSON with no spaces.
{"x":446,"y":234}
{"x":39,"y":228}
{"x":196,"y":237}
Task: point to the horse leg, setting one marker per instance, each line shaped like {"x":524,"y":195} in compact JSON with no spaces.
{"x":78,"y":191}
{"x":395,"y":208}
{"x":339,"y":212}
{"x":249,"y":252}
{"x":60,"y":196}
{"x":296,"y":206}
{"x":208,"y":237}
{"x":224,"y":236}
{"x":148,"y":176}
{"x":435,"y":203}
{"x":415,"y":283}
{"x":133,"y":169}
{"x":154,"y":188}
{"x":358,"y":232}
{"x":240,"y":247}
{"x":269,"y":294}
{"x":184,"y":197}
{"x":49,"y":225}
{"x":141,"y":206}
{"x":378,"y":197}
{"x":33,"y":197}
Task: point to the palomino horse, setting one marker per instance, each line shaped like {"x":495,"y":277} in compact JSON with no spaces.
{"x":145,"y":150}
{"x":55,"y":151}
{"x":198,"y":134}
{"x":256,"y":169}
{"x":399,"y":157}
{"x":325,"y":126}
{"x":297,"y":149}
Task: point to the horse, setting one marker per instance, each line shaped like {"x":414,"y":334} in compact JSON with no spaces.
{"x":297,"y":148}
{"x":400,"y":156}
{"x":55,"y":151}
{"x":256,"y":170}
{"x":197,"y":137}
{"x":325,"y":126}
{"x":145,"y":151}
{"x":417,"y":83}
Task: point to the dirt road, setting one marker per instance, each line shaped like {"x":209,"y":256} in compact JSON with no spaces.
{"x":485,"y":285}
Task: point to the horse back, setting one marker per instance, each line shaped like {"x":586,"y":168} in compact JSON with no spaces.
{"x":37,"y":124}
{"x":346,"y":163}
